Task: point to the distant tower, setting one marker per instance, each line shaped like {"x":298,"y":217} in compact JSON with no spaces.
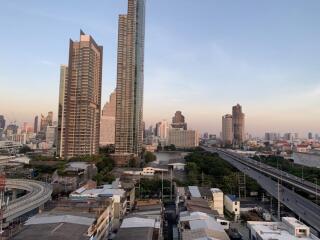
{"x":310,"y":136}
{"x":178,"y":121}
{"x":80,"y":119}
{"x":163,"y":129}
{"x":108,"y":121}
{"x":2,"y":122}
{"x":61,"y":118}
{"x":227,"y":134}
{"x":238,"y":125}
{"x":130,"y":80}
{"x":35,"y":124}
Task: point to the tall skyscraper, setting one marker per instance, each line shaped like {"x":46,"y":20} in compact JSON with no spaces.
{"x":178,"y":121}
{"x":310,"y":136}
{"x":108,"y":121}
{"x":2,"y":122}
{"x":63,"y":82}
{"x":227,"y":134}
{"x":163,"y":129}
{"x":130,"y":78}
{"x":80,"y":119}
{"x":238,"y":125}
{"x":35,"y":124}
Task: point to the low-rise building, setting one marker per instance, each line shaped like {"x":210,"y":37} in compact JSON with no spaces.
{"x":289,"y":228}
{"x":123,"y":196}
{"x":217,"y":200}
{"x":177,"y":164}
{"x":199,"y":225}
{"x":70,"y":220}
{"x":144,"y":222}
{"x":232,"y":205}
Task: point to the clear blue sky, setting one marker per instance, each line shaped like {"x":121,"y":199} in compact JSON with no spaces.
{"x":201,"y":57}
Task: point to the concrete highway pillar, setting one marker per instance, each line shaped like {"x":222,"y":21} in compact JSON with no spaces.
{"x":14,"y":194}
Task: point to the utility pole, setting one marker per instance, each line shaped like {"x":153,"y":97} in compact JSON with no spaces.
{"x":278,"y":199}
{"x":162,"y":186}
{"x":171,"y":185}
{"x":316,"y":190}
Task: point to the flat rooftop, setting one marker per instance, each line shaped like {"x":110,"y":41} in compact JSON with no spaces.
{"x":273,"y":230}
{"x":53,"y":231}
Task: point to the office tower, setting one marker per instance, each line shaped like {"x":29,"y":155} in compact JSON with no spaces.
{"x":51,"y":136}
{"x":163,"y":129}
{"x":108,"y":121}
{"x":46,"y":121}
{"x":130,"y":76}
{"x":80,"y":119}
{"x":2,"y":122}
{"x":178,"y":121}
{"x":35,"y":124}
{"x":237,"y":125}
{"x":183,"y":138}
{"x":227,"y":134}
{"x":271,"y":136}
{"x":310,"y":137}
{"x":63,"y":82}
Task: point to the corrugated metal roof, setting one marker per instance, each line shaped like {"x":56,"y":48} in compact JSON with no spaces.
{"x":135,"y":222}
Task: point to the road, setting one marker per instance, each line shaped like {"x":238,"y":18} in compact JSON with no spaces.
{"x":304,"y":208}
{"x":283,"y":176}
{"x":38,"y":193}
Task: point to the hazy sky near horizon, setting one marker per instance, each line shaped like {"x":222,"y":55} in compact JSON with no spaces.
{"x":201,"y":57}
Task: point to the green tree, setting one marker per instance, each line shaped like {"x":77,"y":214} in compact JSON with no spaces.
{"x":149,"y":157}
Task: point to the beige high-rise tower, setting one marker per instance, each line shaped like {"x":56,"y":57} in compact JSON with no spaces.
{"x":108,"y":119}
{"x":227,"y":134}
{"x":129,"y":108}
{"x":237,"y":125}
{"x":80,"y":117}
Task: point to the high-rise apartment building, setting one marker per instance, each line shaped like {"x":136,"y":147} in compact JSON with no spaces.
{"x":80,"y":119}
{"x":130,"y":78}
{"x":108,"y":121}
{"x":178,"y":121}
{"x":2,"y":122}
{"x":238,"y":125}
{"x":227,"y":133}
{"x":35,"y":124}
{"x":62,"y":96}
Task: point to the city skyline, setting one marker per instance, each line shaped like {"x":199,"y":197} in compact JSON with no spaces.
{"x":279,"y":84}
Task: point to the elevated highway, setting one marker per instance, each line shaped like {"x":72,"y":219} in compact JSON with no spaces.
{"x":304,"y":208}
{"x":283,"y":176}
{"x":38,"y":193}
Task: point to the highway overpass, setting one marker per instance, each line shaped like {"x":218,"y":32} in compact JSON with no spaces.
{"x":304,"y":208}
{"x":38,"y":193}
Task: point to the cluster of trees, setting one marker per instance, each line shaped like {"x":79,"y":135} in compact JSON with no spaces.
{"x":149,"y":157}
{"x":151,"y":188}
{"x":104,"y":166}
{"x":208,"y":169}
{"x":309,"y":173}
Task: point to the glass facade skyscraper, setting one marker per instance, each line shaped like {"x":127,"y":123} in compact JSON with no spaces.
{"x":130,"y":79}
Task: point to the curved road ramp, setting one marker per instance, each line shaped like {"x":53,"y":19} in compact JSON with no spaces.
{"x":38,"y":193}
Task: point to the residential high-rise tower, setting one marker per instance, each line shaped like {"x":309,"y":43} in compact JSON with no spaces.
{"x":227,"y":134}
{"x":237,"y":125}
{"x":130,"y":78}
{"x":80,"y":120}
{"x":108,"y":118}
